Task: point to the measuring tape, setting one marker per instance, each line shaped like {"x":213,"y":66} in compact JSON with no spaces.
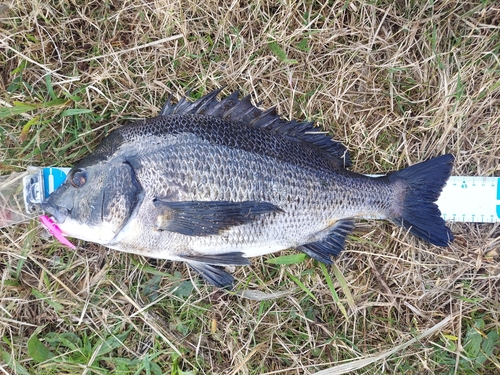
{"x":39,"y":184}
{"x":467,"y":199}
{"x":464,"y":198}
{"x":471,"y":199}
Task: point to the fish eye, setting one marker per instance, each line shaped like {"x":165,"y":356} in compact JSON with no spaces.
{"x":78,"y":178}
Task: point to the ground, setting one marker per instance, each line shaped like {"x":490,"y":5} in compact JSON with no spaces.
{"x":396,"y":81}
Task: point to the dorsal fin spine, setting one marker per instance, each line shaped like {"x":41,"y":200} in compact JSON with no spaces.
{"x":205,"y":101}
{"x":167,"y":107}
{"x":268,"y":112}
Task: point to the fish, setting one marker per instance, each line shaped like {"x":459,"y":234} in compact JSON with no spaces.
{"x":214,"y":182}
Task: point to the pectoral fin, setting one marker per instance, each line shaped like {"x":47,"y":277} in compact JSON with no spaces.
{"x":200,"y":218}
{"x":331,"y":244}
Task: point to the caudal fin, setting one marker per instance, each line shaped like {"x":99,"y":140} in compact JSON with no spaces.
{"x":421,"y":215}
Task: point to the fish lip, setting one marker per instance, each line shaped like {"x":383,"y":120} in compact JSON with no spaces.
{"x":58,"y":213}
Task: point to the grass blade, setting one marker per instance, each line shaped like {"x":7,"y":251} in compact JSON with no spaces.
{"x":302,"y":286}
{"x":37,"y":350}
{"x":333,"y":291}
{"x":280,"y":53}
{"x":287,"y":259}
{"x":345,"y":288}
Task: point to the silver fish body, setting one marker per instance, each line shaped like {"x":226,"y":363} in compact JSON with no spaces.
{"x":214,"y":182}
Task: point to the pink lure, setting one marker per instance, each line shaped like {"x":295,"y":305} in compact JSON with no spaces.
{"x":55,"y":231}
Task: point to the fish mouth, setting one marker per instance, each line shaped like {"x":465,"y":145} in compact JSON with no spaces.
{"x":58,"y":213}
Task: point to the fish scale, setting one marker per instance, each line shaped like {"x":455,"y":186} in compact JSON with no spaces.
{"x":266,"y":185}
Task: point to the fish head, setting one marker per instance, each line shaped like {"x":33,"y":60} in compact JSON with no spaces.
{"x":95,"y":201}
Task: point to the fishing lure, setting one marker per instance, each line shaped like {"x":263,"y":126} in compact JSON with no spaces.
{"x":55,"y":231}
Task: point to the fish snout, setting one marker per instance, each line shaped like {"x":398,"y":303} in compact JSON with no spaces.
{"x":59,"y":213}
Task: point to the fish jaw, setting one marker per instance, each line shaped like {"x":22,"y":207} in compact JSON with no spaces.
{"x":73,"y":228}
{"x":101,"y":234}
{"x":60,"y":214}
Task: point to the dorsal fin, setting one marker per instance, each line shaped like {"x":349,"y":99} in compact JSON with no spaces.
{"x":242,"y":110}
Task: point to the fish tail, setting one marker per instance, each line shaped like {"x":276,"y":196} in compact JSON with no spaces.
{"x":424,"y":183}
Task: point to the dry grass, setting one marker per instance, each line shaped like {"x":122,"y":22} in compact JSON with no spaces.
{"x":396,"y":81}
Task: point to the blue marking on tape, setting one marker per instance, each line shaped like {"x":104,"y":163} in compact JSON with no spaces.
{"x":52,"y":179}
{"x":498,"y":197}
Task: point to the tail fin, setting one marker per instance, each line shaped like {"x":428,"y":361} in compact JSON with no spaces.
{"x":421,"y":215}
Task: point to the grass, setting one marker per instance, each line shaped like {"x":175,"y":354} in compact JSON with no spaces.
{"x":396,"y":81}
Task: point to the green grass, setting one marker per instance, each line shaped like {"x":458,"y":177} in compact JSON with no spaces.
{"x":397,"y":82}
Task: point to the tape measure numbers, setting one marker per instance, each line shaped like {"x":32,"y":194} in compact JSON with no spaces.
{"x":471,"y":199}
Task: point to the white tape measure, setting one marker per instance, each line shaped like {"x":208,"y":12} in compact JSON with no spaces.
{"x":464,"y":198}
{"x":468,"y":199}
{"x":471,"y":199}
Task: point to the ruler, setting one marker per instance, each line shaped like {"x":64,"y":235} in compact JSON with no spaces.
{"x":467,"y":199}
{"x":471,"y":199}
{"x":40,"y":183}
{"x":464,"y":198}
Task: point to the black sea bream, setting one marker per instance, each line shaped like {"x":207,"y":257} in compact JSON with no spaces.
{"x":212,"y":183}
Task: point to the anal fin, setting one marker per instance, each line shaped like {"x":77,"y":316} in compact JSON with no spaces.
{"x":212,"y":274}
{"x":330,"y":245}
{"x":235,"y":258}
{"x":206,"y":266}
